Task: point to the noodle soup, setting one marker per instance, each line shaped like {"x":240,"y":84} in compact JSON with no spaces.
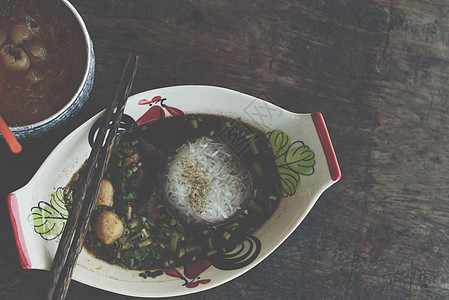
{"x":180,"y":190}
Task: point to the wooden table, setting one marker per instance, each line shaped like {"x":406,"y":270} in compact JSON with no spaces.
{"x":378,"y":72}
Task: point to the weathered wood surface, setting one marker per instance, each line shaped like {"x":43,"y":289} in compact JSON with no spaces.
{"x":377,"y":70}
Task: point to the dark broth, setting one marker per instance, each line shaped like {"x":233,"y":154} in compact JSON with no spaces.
{"x":28,"y":98}
{"x":154,"y":238}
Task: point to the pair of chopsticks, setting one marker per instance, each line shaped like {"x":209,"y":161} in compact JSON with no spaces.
{"x":72,"y":239}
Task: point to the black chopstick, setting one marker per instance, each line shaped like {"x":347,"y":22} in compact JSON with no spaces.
{"x":72,"y":239}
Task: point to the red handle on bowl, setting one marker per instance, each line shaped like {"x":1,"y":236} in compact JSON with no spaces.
{"x":18,"y":231}
{"x":323,"y":135}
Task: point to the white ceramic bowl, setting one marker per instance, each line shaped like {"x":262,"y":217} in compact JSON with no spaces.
{"x":38,"y":215}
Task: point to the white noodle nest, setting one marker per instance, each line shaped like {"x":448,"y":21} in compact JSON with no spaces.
{"x":206,"y":182}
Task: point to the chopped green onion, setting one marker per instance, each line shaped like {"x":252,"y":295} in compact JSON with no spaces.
{"x":232,"y":226}
{"x":255,"y":193}
{"x":145,"y":233}
{"x":152,"y":274}
{"x":179,"y":227}
{"x":130,"y":196}
{"x":194,"y":123}
{"x":258,"y":168}
{"x":213,"y":252}
{"x":240,"y":217}
{"x":181,"y":252}
{"x":144,"y":243}
{"x":149,"y":223}
{"x":250,"y":136}
{"x":135,"y":236}
{"x":136,"y":229}
{"x":226,"y":235}
{"x":254,"y":148}
{"x":137,"y":254}
{"x":117,"y":141}
{"x":251,"y":229}
{"x":193,"y":248}
{"x":129,"y":263}
{"x":69,"y":194}
{"x":129,"y":213}
{"x":254,"y":206}
{"x":174,"y":241}
{"x":122,"y":239}
{"x":126,"y":245}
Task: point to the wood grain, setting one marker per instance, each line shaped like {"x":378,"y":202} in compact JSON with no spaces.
{"x":377,"y":70}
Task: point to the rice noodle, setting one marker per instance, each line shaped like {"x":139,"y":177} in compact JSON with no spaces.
{"x":206,"y":182}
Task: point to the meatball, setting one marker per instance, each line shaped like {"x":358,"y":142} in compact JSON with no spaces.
{"x":33,"y":75}
{"x":14,"y":58}
{"x":37,"y":52}
{"x":2,"y":36}
{"x":20,"y":33}
{"x":108,"y":227}
{"x":106,"y":193}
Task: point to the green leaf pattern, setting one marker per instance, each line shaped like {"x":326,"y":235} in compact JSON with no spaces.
{"x":48,"y":219}
{"x":292,"y":159}
{"x":290,"y":181}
